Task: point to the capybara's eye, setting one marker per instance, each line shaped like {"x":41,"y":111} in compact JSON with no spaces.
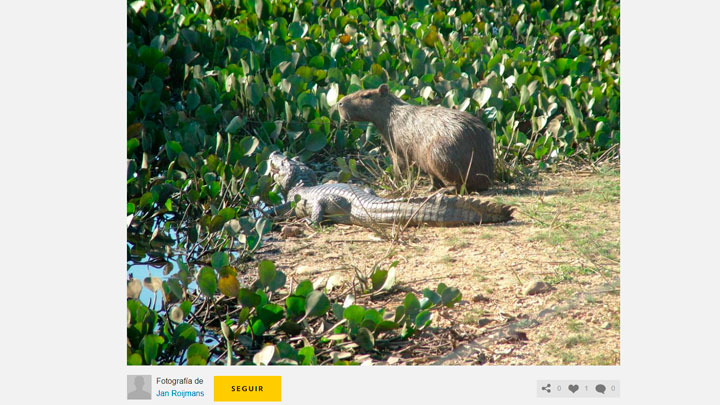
{"x":367,"y":95}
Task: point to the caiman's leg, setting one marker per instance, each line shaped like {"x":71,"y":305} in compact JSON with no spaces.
{"x":318,"y":211}
{"x":331,"y":208}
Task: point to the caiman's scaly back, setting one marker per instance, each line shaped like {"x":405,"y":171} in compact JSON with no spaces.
{"x":349,"y":204}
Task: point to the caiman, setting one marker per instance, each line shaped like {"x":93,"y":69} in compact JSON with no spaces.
{"x":349,"y":204}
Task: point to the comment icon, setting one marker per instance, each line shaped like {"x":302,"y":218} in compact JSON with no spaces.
{"x":600,"y":388}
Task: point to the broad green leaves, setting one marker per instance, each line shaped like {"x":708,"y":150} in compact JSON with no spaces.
{"x":316,"y":304}
{"x":207,"y":281}
{"x":267,"y":272}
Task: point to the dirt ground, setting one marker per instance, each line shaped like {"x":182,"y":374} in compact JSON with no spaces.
{"x":565,"y":234}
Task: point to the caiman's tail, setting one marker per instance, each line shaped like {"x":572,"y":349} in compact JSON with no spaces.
{"x":443,"y":210}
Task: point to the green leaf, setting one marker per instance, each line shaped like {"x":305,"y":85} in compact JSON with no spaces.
{"x":412,"y":305}
{"x":278,"y":282}
{"x":297,"y":29}
{"x":266,"y":272}
{"x":420,"y":5}
{"x":384,"y":326}
{"x":524,"y":94}
{"x":185,"y":162}
{"x":315,"y":142}
{"x":423,"y":319}
{"x":149,"y":103}
{"x":307,"y":99}
{"x":307,"y":356}
{"x":286,"y":351}
{"x":304,"y":288}
{"x":573,"y":113}
{"x":432,"y":296}
{"x":378,"y":278}
{"x":482,"y":95}
{"x":173,"y":149}
{"x":317,"y":61}
{"x":149,"y":55}
{"x":316,"y":304}
{"x":258,"y":327}
{"x":548,"y":75}
{"x":365,"y":339}
{"x":243,"y":315}
{"x":150,"y":345}
{"x":354,"y":313}
{"x":220,"y":259}
{"x":193,"y":100}
{"x":372,"y":315}
{"x":207,"y":281}
{"x":196,"y":361}
{"x":373,"y":81}
{"x":291,"y":328}
{"x":198,"y":350}
{"x":279,"y":54}
{"x":206,"y":114}
{"x":235,"y":124}
{"x":399,"y":313}
{"x":562,"y":64}
{"x":134,"y":360}
{"x":255,"y":93}
{"x":184,"y":336}
{"x":248,"y":298}
{"x":186,"y":307}
{"x":450,"y":296}
{"x":295,"y":306}
{"x":270,"y":313}
{"x":132,"y":144}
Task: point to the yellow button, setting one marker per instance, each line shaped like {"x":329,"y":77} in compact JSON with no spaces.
{"x":247,"y":388}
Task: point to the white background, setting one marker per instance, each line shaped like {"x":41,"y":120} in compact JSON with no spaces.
{"x":62,"y":122}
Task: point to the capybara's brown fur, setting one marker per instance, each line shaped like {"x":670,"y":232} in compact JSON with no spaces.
{"x":452,"y":146}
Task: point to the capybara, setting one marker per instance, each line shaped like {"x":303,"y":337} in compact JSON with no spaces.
{"x":452,"y":146}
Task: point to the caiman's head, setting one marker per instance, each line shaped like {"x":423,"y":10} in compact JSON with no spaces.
{"x":289,"y":173}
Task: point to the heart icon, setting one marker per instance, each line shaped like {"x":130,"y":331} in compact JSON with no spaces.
{"x":573,"y":388}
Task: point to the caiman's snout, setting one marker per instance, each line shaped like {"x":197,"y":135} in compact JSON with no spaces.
{"x":275,"y":158}
{"x":275,"y":161}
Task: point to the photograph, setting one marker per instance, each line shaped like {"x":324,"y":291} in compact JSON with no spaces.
{"x":372,"y":183}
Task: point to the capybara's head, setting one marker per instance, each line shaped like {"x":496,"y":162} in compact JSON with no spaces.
{"x":367,"y":105}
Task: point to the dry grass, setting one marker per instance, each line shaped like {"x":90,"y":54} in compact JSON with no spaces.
{"x":566,"y":233}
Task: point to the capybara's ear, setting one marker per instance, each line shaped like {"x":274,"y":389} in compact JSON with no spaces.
{"x":383,"y":89}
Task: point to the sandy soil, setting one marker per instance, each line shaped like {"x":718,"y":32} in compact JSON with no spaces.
{"x":566,"y":234}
